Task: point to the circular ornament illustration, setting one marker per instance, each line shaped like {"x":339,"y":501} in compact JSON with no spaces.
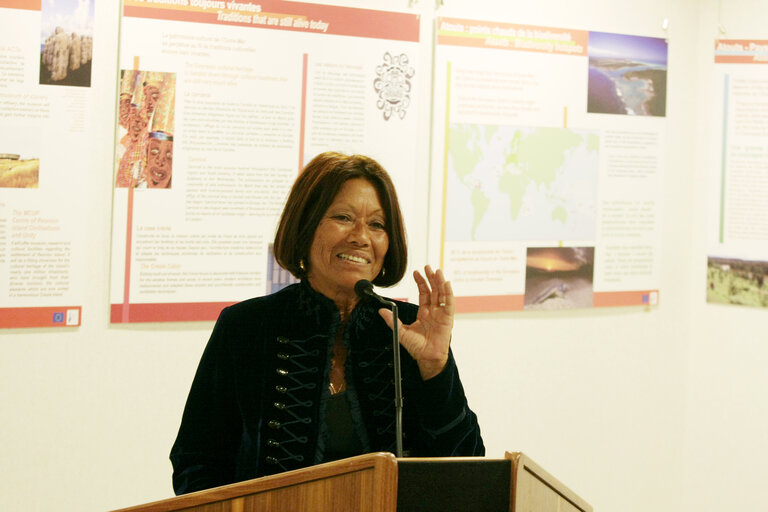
{"x":393,"y":85}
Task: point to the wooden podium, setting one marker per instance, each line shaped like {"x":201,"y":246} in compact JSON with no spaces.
{"x":379,"y":482}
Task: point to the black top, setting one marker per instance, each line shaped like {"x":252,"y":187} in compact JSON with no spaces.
{"x":259,"y":401}
{"x":342,"y":440}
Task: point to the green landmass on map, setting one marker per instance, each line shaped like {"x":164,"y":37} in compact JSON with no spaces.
{"x":465,"y":151}
{"x":480,"y":205}
{"x":542,"y":152}
{"x":560,"y":213}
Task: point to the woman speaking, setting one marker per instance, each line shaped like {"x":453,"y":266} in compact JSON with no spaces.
{"x":304,"y":375}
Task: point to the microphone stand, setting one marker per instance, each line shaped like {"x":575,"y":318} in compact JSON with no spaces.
{"x":398,"y":375}
{"x":398,"y":384}
{"x":363,"y":288}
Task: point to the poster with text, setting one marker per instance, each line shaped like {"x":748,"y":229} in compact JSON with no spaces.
{"x":46,"y":52}
{"x":548,"y":165}
{"x":737,"y":262}
{"x":220,"y":105}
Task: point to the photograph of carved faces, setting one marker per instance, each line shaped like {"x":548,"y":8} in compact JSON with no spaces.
{"x":144,"y":150}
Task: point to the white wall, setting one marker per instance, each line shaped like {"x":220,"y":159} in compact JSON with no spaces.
{"x":726,"y":420}
{"x":636,"y":410}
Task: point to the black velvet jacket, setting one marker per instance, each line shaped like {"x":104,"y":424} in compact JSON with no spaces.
{"x":257,"y":403}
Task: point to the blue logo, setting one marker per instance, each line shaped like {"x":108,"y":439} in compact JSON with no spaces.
{"x":58,"y":318}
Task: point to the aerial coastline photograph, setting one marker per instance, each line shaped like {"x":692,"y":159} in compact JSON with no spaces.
{"x":627,"y":75}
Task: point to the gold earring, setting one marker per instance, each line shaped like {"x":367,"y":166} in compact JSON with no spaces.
{"x":302,"y":266}
{"x":383,"y":271}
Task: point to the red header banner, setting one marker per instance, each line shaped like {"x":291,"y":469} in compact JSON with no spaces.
{"x":741,"y":51}
{"x":282,"y":15}
{"x":29,"y":5}
{"x":507,"y":36}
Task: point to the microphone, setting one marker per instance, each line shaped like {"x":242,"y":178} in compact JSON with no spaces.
{"x":363,"y":289}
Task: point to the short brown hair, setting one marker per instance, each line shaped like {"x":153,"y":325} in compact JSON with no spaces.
{"x":312,"y":194}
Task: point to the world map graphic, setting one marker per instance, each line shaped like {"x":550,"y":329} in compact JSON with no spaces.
{"x":521,"y":183}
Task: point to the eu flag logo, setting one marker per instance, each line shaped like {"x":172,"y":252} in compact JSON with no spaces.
{"x":58,"y":318}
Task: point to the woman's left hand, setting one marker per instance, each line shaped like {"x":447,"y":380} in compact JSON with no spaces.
{"x":428,"y":338}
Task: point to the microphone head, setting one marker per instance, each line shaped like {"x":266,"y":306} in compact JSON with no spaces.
{"x":363,"y":288}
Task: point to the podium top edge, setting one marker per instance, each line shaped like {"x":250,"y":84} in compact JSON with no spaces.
{"x":449,"y":459}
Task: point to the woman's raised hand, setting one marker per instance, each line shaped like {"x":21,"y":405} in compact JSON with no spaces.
{"x":428,"y":338}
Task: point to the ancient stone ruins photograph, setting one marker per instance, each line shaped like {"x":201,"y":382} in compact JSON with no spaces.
{"x":66,"y":46}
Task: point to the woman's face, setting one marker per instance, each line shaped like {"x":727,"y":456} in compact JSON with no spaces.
{"x":350,"y":242}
